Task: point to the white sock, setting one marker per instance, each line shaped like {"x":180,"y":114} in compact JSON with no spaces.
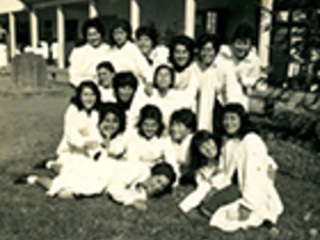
{"x":49,"y":164}
{"x":32,"y":179}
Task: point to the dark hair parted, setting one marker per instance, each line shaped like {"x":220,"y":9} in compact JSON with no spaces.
{"x":163,"y":66}
{"x":208,"y":38}
{"x":123,"y":24}
{"x":92,"y":23}
{"x":76,"y":100}
{"x":245,"y":124}
{"x":186,"y":117}
{"x":107,"y":65}
{"x":150,"y":112}
{"x":197,"y":158}
{"x":149,"y":31}
{"x":123,"y":79}
{"x":244,"y":32}
{"x":166,"y":170}
{"x":118,"y":111}
{"x":188,"y":43}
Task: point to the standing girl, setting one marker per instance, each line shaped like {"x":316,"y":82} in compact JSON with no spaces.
{"x":83,"y":60}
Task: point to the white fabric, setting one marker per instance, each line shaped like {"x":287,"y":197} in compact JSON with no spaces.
{"x":3,"y":55}
{"x":129,"y":58}
{"x":79,"y":127}
{"x":247,"y":71}
{"x":83,"y":61}
{"x":258,"y":190}
{"x":159,"y":55}
{"x":107,"y":94}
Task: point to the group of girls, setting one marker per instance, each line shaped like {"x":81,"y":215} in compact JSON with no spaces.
{"x":143,"y":103}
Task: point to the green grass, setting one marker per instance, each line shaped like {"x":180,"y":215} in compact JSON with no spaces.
{"x":30,"y":129}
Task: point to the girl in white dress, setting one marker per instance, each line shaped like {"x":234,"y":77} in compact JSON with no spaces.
{"x":106,"y":72}
{"x":125,"y":55}
{"x":80,"y":125}
{"x":165,"y":96}
{"x":146,"y":145}
{"x":91,"y":174}
{"x":247,"y":161}
{"x":83,"y":60}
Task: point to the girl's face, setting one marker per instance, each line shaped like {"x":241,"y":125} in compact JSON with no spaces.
{"x":164,"y":78}
{"x":207,"y":54}
{"x":145,"y":45}
{"x":178,"y":131}
{"x":208,"y":149}
{"x":150,"y":127}
{"x":105,"y":77}
{"x":231,"y":123}
{"x":120,"y":36}
{"x":110,"y":124}
{"x":181,"y":55}
{"x":156,"y":184}
{"x":93,"y":37}
{"x":125,"y":93}
{"x":241,"y":48}
{"x":88,"y":98}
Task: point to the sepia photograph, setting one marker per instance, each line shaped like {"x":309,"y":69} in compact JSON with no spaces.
{"x":148,"y":119}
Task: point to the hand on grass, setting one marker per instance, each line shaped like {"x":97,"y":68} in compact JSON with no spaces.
{"x":140,"y":205}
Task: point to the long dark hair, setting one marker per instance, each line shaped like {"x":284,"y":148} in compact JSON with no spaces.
{"x":124,"y":79}
{"x":117,"y":110}
{"x":153,"y":112}
{"x":76,"y":100}
{"x":188,"y":43}
{"x":198,"y":160}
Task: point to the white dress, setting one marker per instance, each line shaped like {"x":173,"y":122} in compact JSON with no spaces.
{"x":258,"y":191}
{"x":84,"y":60}
{"x":89,"y":175}
{"x":129,"y":58}
{"x":107,"y":94}
{"x":79,"y":127}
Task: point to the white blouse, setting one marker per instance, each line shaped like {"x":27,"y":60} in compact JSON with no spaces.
{"x":129,"y":58}
{"x":79,"y":127}
{"x":84,"y":60}
{"x":107,"y":94}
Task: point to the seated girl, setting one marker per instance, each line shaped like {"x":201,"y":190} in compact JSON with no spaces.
{"x":129,"y":96}
{"x":80,"y":125}
{"x":89,"y":175}
{"x":248,"y":161}
{"x":146,"y":145}
{"x":164,"y":96}
{"x":204,"y":167}
{"x":106,"y":72}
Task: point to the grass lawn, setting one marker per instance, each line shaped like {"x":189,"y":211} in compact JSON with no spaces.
{"x":30,"y":129}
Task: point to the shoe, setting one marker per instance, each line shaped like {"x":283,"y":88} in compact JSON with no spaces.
{"x":23,"y":179}
{"x":42,"y":164}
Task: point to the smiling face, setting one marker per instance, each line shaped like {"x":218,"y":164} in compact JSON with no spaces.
{"x":88,"y":98}
{"x":231,"y":123}
{"x":241,"y":48}
{"x":149,"y":127}
{"x":207,"y":54}
{"x":208,"y":149}
{"x":94,"y":37}
{"x":110,"y":125}
{"x":181,"y":55}
{"x":145,"y":45}
{"x":120,"y":36}
{"x":164,"y":79}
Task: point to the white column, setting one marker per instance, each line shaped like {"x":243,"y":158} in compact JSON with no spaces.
{"x":34,"y":29}
{"x":134,"y":15}
{"x":61,"y":36}
{"x":264,"y":37}
{"x":12,"y":32}
{"x":93,"y":11}
{"x":190,"y":17}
